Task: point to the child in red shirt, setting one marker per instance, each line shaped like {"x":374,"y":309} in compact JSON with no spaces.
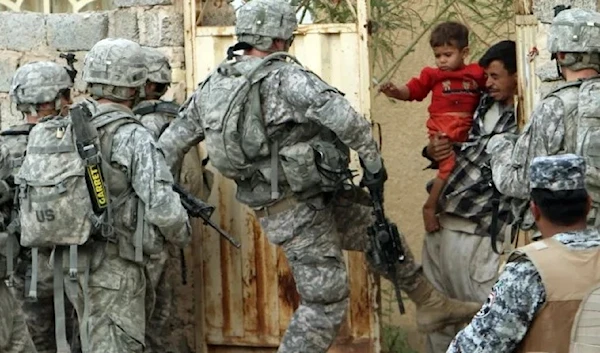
{"x":455,"y":89}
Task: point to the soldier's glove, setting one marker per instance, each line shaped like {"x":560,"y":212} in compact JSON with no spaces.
{"x":373,"y":180}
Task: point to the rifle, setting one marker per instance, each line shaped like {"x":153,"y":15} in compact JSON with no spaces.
{"x":200,"y":209}
{"x":386,"y":249}
{"x":70,"y":58}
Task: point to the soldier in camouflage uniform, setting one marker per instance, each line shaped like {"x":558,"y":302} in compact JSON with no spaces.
{"x":552,"y":126}
{"x":156,"y":115}
{"x":533,"y":304}
{"x":115,"y":315}
{"x":14,"y":335}
{"x":310,"y":224}
{"x":38,"y":89}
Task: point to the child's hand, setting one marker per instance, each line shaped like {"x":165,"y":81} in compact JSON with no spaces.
{"x":389,"y":89}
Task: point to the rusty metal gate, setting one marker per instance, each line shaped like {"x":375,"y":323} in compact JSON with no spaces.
{"x":245,"y":298}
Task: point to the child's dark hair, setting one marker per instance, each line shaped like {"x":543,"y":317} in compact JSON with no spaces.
{"x":450,"y":33}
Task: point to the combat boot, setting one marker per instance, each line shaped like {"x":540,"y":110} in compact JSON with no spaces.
{"x":435,"y":310}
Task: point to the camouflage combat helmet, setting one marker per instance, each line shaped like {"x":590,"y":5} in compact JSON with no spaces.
{"x":260,"y":21}
{"x":577,"y":33}
{"x":39,"y":82}
{"x":112,"y":66}
{"x":157,"y":64}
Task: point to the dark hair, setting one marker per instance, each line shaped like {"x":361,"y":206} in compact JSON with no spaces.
{"x":505,"y":52}
{"x":450,"y":33}
{"x":562,"y":208}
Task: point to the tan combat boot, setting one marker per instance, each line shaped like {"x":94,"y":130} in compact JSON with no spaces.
{"x":435,"y":310}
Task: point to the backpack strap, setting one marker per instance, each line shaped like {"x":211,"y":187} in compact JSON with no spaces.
{"x":107,"y":129}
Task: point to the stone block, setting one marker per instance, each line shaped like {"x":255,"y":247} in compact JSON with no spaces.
{"x":130,"y":3}
{"x":10,"y":62}
{"x":544,"y":9}
{"x":176,"y":56}
{"x":9,"y":115}
{"x":76,"y":31}
{"x":22,"y":31}
{"x":124,"y":24}
{"x":161,"y":27}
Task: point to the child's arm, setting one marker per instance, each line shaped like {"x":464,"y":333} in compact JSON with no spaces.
{"x":391,"y":90}
{"x":419,"y":87}
{"x":416,"y":89}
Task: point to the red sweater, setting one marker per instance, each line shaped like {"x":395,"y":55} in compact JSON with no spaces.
{"x":452,"y":91}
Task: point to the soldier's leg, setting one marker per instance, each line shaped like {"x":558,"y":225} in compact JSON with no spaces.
{"x":39,"y":313}
{"x":312,"y":248}
{"x":156,"y":328}
{"x":434,"y":310}
{"x":115,"y":305}
{"x":14,"y":335}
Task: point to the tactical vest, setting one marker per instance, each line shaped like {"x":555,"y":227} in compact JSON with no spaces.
{"x":568,"y":276}
{"x":135,"y":235}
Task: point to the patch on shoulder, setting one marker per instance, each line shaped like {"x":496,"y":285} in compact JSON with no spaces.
{"x":487,"y":306}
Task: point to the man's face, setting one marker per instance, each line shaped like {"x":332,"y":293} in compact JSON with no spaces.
{"x":500,"y":84}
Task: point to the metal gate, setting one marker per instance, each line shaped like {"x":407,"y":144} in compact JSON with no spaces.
{"x":247,"y":296}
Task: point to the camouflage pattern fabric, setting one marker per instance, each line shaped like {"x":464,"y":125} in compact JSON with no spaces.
{"x":38,"y":82}
{"x":551,"y":130}
{"x":39,"y":314}
{"x":154,"y":122}
{"x":159,"y":69}
{"x":158,"y":320}
{"x":14,"y":335}
{"x":290,"y":95}
{"x":312,"y":237}
{"x":574,"y":31}
{"x":116,"y":306}
{"x":558,"y":173}
{"x":512,"y":305}
{"x":259,"y":22}
{"x":117,"y":289}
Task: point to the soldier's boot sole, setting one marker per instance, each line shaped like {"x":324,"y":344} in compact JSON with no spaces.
{"x":436,"y":311}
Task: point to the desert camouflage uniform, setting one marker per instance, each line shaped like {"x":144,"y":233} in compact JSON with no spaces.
{"x":519,"y":293}
{"x":34,"y":83}
{"x":117,"y":286}
{"x":14,"y":335}
{"x":163,"y":286}
{"x":157,"y":326}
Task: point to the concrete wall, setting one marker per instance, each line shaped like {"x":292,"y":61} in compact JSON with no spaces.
{"x":30,"y":36}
